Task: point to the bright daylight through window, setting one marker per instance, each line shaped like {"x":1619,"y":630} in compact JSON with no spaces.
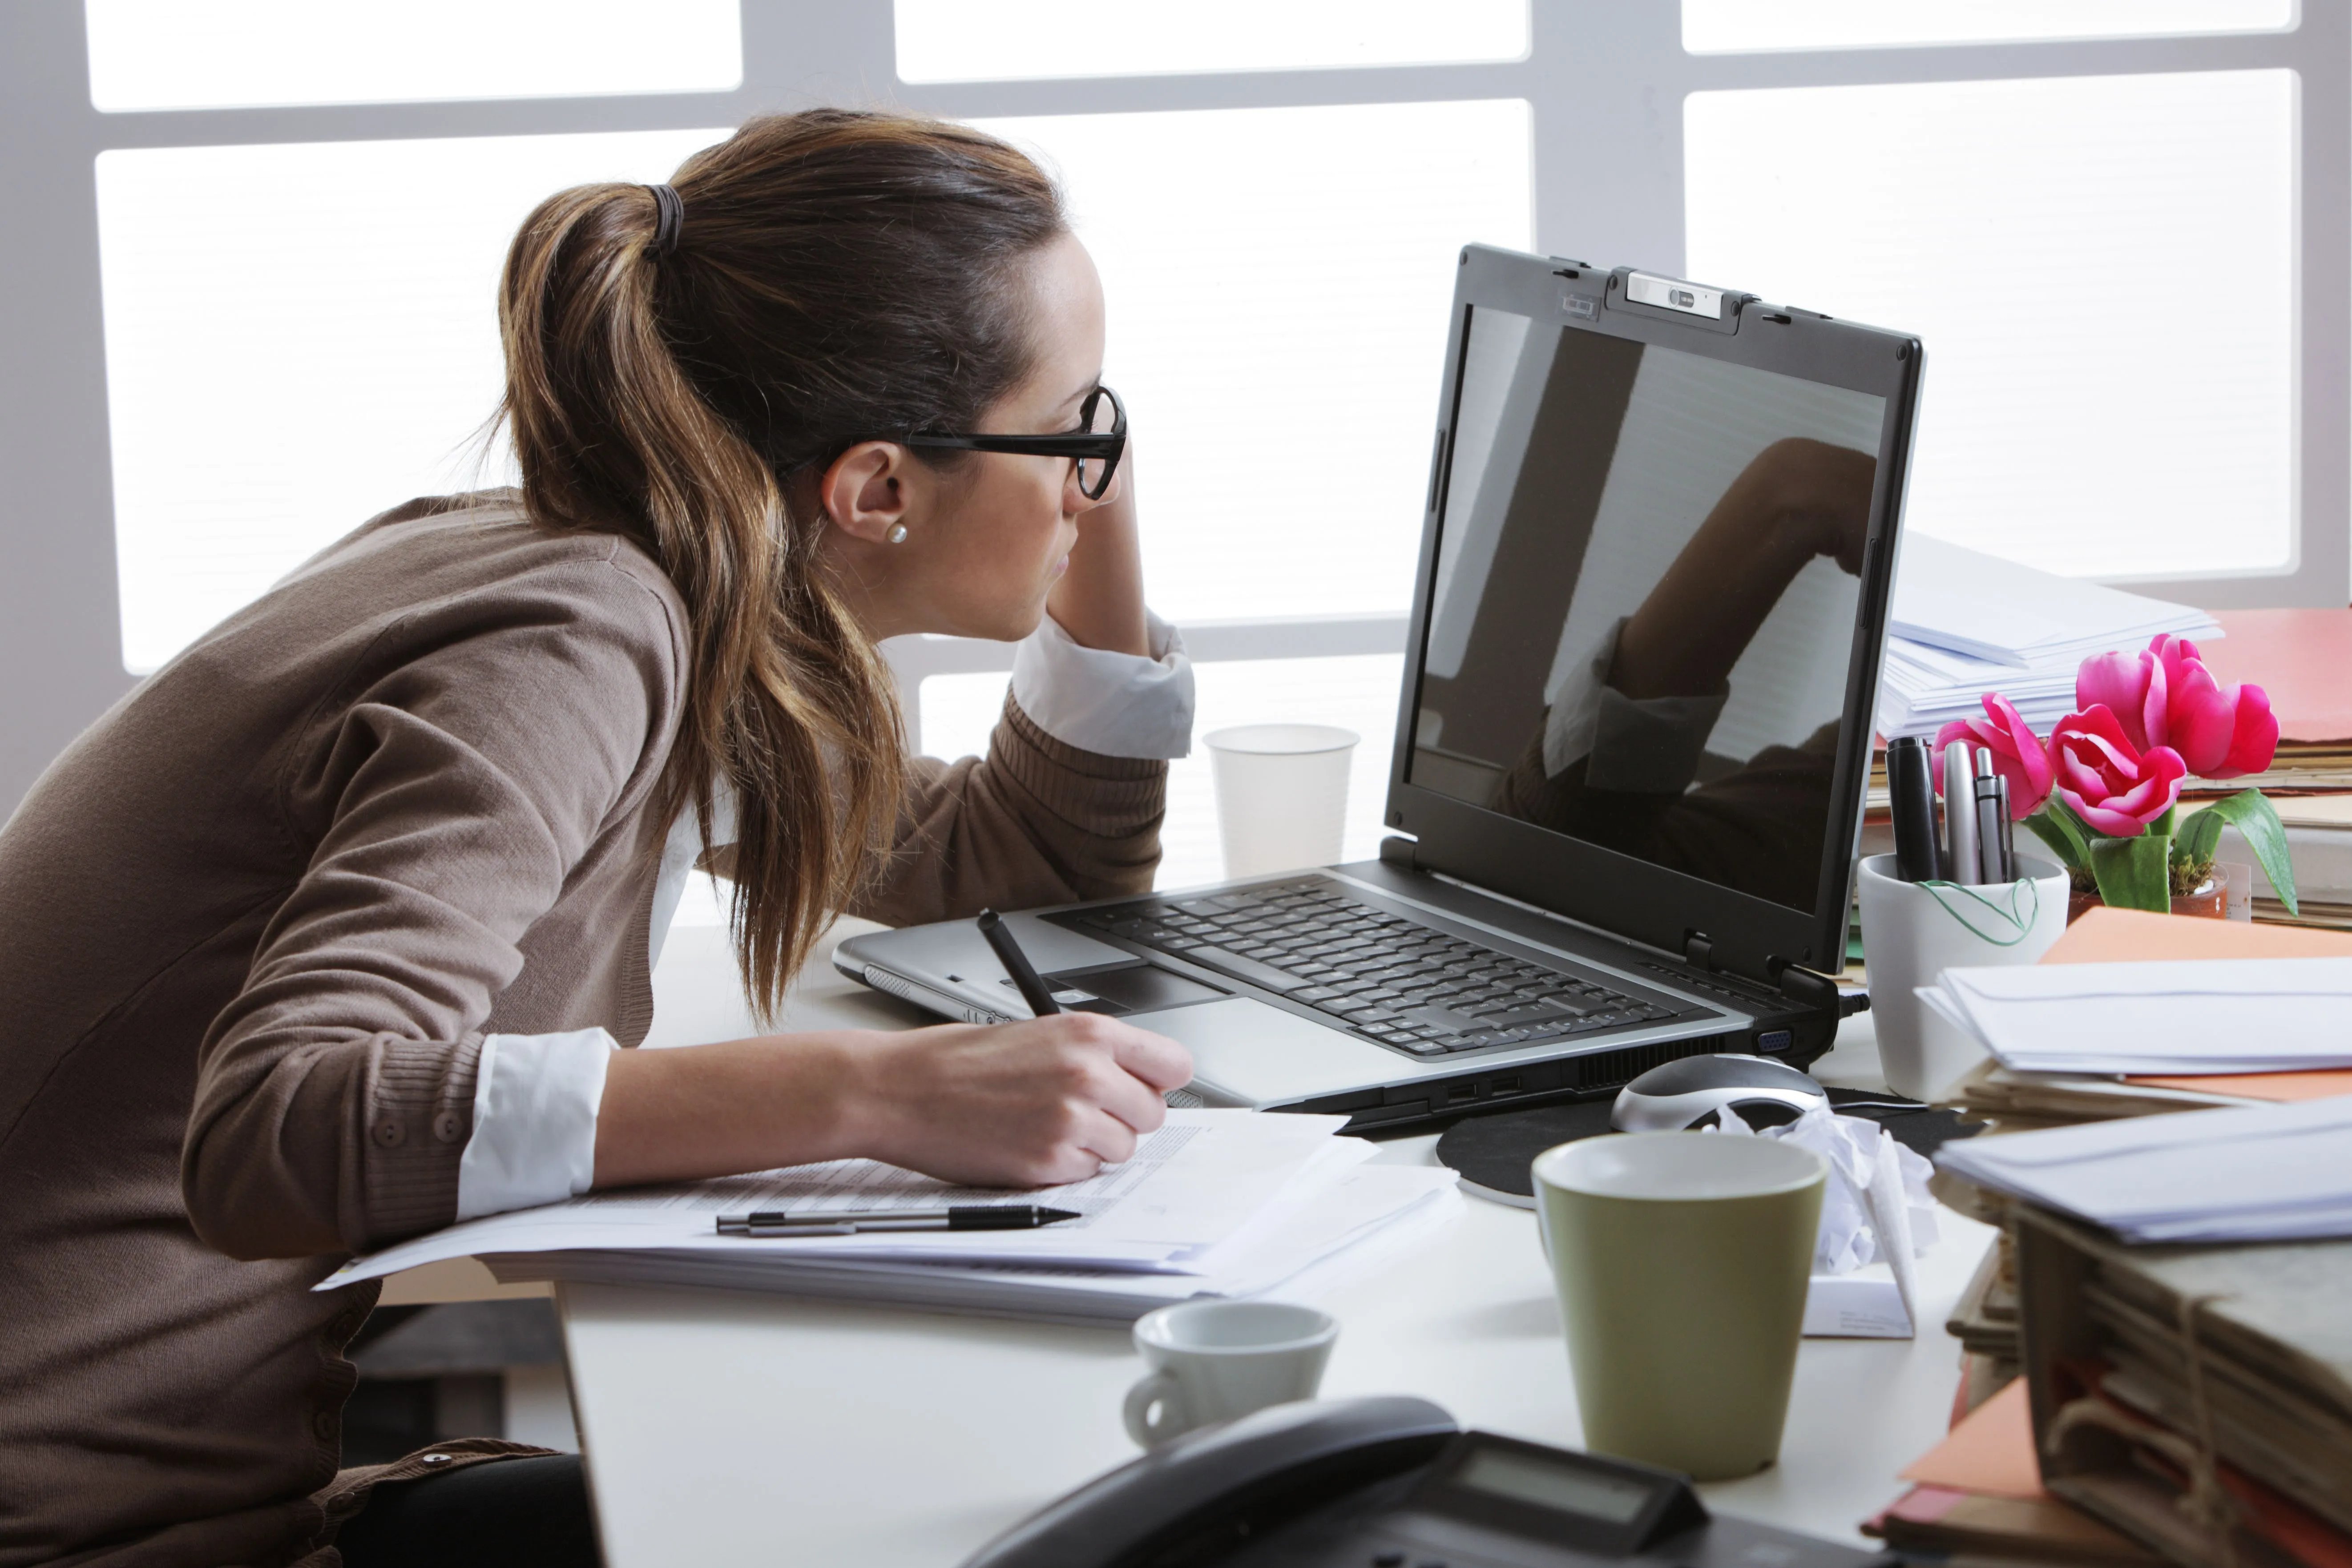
{"x":1727,"y":25}
{"x":235,"y":54}
{"x":958,"y":40}
{"x":2032,"y":234}
{"x":298,"y":337}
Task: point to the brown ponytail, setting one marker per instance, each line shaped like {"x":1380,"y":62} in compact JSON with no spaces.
{"x":839,"y":275}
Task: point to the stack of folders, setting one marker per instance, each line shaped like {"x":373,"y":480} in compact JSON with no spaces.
{"x":2058,"y":1055}
{"x":1217,"y":1203}
{"x":2198,"y":1399}
{"x":1964,"y":623}
{"x":1978,"y":1495}
{"x":1984,"y":1321}
{"x":2225,"y":1015}
{"x":2258,"y":1173}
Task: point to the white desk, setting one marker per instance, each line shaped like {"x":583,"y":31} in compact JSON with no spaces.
{"x":724,"y":1428}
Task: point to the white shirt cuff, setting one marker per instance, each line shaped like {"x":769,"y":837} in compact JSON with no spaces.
{"x":535,"y":1103}
{"x":1113,"y":704}
{"x":1649,"y":745}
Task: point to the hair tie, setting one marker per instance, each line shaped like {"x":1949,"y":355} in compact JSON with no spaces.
{"x":669,"y":218}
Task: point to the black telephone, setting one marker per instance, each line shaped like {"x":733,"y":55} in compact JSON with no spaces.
{"x":1391,"y":1482}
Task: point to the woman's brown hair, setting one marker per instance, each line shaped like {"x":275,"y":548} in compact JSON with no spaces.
{"x":837,"y":276}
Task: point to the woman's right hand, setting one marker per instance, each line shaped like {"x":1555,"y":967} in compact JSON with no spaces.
{"x":1028,"y":1104}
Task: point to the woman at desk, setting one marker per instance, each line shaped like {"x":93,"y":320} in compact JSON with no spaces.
{"x":325,"y":936}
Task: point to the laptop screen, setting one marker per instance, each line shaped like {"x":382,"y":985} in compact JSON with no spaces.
{"x":1644,"y":599}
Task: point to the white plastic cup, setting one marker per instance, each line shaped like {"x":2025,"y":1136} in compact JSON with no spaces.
{"x":1282,"y":794}
{"x":1913,"y":932}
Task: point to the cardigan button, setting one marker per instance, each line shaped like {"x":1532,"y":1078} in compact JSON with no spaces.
{"x":447,"y":1126}
{"x":433,"y":1459}
{"x":391,"y":1133}
{"x":323,"y":1424}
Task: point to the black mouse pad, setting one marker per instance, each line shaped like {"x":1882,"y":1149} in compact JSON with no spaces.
{"x":1494,"y":1154}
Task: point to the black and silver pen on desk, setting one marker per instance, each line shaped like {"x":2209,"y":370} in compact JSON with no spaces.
{"x":1026,"y":979}
{"x":1992,"y":816}
{"x":957,"y":1216}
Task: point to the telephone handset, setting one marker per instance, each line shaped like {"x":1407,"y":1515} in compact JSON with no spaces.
{"x":1389,"y":1481}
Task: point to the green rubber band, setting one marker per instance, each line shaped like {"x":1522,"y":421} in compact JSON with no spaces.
{"x":2020,"y":925}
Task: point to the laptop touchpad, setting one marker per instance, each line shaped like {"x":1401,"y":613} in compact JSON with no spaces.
{"x":1131,"y":988}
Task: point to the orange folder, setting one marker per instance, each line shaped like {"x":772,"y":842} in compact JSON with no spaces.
{"x":1990,"y":1453}
{"x":2300,"y":659}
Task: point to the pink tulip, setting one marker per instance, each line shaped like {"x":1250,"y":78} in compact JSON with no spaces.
{"x":2018,"y":754}
{"x":2108,"y":782}
{"x":2165,"y":696}
{"x":2253,"y":738}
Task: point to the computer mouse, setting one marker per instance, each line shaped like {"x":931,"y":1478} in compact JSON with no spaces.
{"x":1668,"y":1098}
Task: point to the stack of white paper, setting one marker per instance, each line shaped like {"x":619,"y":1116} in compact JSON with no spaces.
{"x":2218,"y":1016}
{"x":1223,"y":1203}
{"x":1965,"y":623}
{"x":2268,"y":1173}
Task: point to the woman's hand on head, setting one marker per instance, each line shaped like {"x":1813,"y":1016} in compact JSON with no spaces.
{"x":1027,"y":1104}
{"x":1099,"y":600}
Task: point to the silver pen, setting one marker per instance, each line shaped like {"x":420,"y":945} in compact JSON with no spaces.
{"x":1986,"y":788}
{"x":1960,"y":861}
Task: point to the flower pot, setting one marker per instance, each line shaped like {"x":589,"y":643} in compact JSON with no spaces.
{"x":2210,"y":901}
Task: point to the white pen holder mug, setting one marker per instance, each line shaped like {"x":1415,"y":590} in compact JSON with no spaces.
{"x":1218,"y":1360}
{"x":1913,"y":932}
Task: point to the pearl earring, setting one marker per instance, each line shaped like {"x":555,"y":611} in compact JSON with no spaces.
{"x":898,"y":534}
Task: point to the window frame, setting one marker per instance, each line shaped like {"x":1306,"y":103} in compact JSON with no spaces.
{"x":1609,"y":197}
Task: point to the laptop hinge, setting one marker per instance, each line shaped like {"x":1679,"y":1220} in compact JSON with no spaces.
{"x":1802,"y":986}
{"x":1698,"y":950}
{"x":1395,"y":851}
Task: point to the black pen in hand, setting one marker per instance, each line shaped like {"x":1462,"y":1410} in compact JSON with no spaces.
{"x":1032,"y":990}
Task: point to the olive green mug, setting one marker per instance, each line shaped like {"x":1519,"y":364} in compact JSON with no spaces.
{"x":1682,"y":1260}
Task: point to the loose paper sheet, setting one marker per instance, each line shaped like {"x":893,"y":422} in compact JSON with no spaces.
{"x":1192,"y":1184}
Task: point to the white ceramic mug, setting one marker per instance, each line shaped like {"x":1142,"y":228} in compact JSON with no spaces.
{"x":1282,"y":794}
{"x":1912,"y":932}
{"x":1216,"y":1361}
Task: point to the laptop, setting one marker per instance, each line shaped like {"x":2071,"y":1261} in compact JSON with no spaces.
{"x":1633,"y":739}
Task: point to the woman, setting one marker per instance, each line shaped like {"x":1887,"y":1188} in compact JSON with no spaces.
{"x":325,"y":935}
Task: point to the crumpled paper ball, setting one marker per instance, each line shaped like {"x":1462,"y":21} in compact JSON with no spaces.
{"x":1853,"y":1148}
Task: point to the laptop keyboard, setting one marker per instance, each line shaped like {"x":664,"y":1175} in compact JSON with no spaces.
{"x":1373,"y":971}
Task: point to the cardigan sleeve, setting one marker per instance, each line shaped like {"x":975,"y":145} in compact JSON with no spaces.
{"x":1037,"y":821}
{"x":450,"y":795}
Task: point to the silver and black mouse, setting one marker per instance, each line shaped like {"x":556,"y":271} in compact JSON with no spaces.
{"x":1668,"y":1098}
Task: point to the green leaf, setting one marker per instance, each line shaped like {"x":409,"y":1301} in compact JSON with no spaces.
{"x":2253,"y":814}
{"x":2198,"y":840}
{"x":2134,"y":873}
{"x":2063,"y":839}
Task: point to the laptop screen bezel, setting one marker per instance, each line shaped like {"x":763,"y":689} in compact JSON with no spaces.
{"x":1620,"y":893}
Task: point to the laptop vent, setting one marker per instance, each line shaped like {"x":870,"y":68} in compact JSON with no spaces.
{"x":1613,"y":1070}
{"x":926,"y":998}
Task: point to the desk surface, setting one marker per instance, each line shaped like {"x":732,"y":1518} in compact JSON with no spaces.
{"x":724,"y":1427}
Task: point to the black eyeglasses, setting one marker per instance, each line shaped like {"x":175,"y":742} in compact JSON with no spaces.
{"x":1095,"y":446}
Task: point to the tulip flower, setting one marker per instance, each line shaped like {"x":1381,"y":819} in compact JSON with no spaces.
{"x":2113,"y":786}
{"x":2164,"y":696}
{"x":2018,"y":754}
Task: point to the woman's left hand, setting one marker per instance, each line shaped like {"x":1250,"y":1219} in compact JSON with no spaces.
{"x":1099,"y":600}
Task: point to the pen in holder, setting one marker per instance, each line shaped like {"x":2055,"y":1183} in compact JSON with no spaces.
{"x":1913,"y":932}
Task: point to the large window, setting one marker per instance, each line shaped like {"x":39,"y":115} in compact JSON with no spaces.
{"x":2121,"y":226}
